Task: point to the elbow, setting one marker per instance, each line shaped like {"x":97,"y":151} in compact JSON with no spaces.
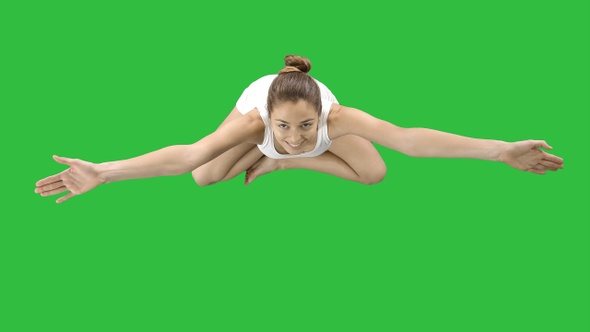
{"x":173,"y":160}
{"x":411,"y":153}
{"x":194,"y":156}
{"x":395,"y":138}
{"x":407,"y":144}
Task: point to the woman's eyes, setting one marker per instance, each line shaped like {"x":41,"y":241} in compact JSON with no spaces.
{"x":304,"y":126}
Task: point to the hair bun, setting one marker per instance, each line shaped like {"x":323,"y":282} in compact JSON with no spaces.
{"x":296,"y":63}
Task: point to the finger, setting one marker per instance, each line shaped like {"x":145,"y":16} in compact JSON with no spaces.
{"x":547,"y":168}
{"x":64,"y":198}
{"x":551,"y":165}
{"x":543,"y":168}
{"x":542,"y":144}
{"x":247,"y":177}
{"x":54,"y":191}
{"x":48,"y":187}
{"x":552,"y":158}
{"x":49,"y":180}
{"x":63,"y":160}
{"x":532,"y":170}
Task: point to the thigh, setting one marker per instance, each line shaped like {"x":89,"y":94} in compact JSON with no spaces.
{"x":360,"y":155}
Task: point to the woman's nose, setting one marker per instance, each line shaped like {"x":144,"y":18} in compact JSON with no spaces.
{"x":295,"y":135}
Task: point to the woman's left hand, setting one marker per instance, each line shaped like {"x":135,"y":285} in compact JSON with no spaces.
{"x":528,"y":156}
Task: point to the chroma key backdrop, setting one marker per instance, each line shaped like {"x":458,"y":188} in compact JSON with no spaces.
{"x":438,"y":245}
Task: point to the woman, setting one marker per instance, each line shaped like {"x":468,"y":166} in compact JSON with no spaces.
{"x":291,"y":120}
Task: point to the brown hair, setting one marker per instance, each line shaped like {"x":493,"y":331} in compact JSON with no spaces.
{"x":294,"y":84}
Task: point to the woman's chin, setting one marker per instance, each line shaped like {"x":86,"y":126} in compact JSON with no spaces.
{"x":298,"y":151}
{"x":304,"y":147}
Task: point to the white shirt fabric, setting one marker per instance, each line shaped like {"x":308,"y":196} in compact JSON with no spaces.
{"x":255,"y":96}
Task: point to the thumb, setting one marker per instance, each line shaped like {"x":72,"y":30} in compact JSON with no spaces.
{"x":542,"y":144}
{"x":62,"y":160}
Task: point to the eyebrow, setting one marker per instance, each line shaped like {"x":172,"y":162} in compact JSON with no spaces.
{"x":306,"y":120}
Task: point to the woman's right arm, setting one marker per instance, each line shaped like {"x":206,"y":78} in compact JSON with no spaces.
{"x":180,"y":159}
{"x":83,"y":176}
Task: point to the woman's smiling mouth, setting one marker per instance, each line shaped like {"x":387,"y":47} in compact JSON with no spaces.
{"x":295,"y":146}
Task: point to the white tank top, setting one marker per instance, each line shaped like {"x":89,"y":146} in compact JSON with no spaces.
{"x":255,"y":97}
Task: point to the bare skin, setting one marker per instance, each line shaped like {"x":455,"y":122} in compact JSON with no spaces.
{"x":231,"y":149}
{"x":362,"y":162}
{"x":350,"y":157}
{"x":230,"y":163}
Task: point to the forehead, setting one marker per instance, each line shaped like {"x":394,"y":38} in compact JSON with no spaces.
{"x":289,"y":110}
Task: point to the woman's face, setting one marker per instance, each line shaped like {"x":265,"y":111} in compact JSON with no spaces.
{"x":295,"y":127}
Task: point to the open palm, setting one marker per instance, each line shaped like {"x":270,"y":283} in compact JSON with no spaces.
{"x":81,"y":177}
{"x":528,"y":156}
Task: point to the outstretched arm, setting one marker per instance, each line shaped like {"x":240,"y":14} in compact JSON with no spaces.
{"x":83,"y":176}
{"x":423,"y":142}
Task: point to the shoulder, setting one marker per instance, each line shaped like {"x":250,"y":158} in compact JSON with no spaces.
{"x":254,"y":126}
{"x":247,"y":128}
{"x":337,"y":119}
{"x":344,"y":120}
{"x":336,"y":111}
{"x":340,"y":114}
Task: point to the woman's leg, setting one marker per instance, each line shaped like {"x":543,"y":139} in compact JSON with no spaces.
{"x":349,"y":157}
{"x":230,"y":163}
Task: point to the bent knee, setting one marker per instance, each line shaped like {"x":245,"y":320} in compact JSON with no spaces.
{"x":375,"y":175}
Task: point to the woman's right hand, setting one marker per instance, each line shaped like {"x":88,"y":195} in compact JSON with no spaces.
{"x":82,"y":176}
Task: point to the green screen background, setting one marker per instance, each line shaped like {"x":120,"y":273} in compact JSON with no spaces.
{"x":439,"y":245}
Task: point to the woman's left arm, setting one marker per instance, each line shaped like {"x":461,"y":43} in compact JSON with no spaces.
{"x":423,"y":142}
